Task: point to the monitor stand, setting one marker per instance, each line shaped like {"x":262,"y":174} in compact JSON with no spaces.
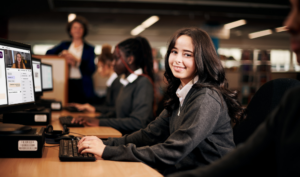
{"x":14,"y":128}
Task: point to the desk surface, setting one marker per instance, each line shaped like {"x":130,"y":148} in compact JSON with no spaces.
{"x":50,"y":166}
{"x":101,"y":132}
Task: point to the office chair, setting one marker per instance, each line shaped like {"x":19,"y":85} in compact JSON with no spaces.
{"x":263,"y":102}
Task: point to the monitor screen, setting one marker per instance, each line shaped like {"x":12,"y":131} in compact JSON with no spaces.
{"x":36,"y":66}
{"x":15,"y":74}
{"x":47,"y":79}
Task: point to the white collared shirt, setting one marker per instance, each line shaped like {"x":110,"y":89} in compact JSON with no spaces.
{"x":131,"y":78}
{"x":183,"y":91}
{"x":77,"y":52}
{"x":111,"y":79}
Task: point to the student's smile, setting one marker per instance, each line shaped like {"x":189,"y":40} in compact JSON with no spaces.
{"x":178,"y":68}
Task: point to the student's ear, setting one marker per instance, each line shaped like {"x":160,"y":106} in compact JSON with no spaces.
{"x":130,"y":60}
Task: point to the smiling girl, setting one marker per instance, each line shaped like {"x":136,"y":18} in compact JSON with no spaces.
{"x":19,"y":62}
{"x":194,"y":129}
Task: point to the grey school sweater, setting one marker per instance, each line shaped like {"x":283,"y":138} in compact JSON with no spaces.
{"x":134,"y":107}
{"x":200,"y":135}
{"x":108,"y":108}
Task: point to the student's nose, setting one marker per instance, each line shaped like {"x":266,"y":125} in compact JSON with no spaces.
{"x":178,"y":59}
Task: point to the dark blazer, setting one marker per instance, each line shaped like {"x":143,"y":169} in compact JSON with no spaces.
{"x":87,"y":65}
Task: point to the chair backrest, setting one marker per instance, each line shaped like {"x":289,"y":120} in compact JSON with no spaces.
{"x":263,"y":102}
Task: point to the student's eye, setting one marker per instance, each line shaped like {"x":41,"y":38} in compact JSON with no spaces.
{"x":174,"y":52}
{"x":187,"y":55}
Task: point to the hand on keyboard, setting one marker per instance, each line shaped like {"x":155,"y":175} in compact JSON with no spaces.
{"x":67,"y":120}
{"x":83,"y":107}
{"x":89,"y":121}
{"x":68,"y":151}
{"x":91,"y":144}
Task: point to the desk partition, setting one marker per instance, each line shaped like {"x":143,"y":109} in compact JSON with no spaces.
{"x":60,"y":77}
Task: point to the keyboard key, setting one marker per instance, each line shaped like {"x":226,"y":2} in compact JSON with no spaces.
{"x":68,"y":151}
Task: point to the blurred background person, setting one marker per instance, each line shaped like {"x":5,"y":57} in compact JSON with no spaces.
{"x":106,"y":70}
{"x":134,"y":104}
{"x":80,"y":57}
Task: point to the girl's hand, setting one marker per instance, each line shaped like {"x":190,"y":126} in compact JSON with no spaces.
{"x":91,"y":144}
{"x":84,"y":107}
{"x":71,"y":59}
{"x":88,"y":121}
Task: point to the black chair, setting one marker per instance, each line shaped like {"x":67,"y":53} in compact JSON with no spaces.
{"x":262,"y":103}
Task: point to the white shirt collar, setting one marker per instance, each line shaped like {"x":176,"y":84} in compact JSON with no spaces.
{"x":183,"y":91}
{"x":131,"y":78}
{"x":111,"y":79}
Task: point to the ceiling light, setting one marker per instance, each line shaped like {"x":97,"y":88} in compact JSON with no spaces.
{"x":235,"y":24}
{"x":146,"y":24}
{"x":280,"y":29}
{"x":260,"y":34}
{"x":150,"y":21}
{"x":71,"y":17}
{"x":137,"y":30}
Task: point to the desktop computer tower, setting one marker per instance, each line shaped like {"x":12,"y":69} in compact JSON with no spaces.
{"x":42,"y":117}
{"x":20,"y":145}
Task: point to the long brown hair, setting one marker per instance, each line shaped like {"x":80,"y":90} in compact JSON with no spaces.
{"x":209,"y":69}
{"x":17,"y":63}
{"x":106,"y":57}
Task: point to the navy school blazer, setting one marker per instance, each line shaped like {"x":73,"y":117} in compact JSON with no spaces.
{"x":87,"y":65}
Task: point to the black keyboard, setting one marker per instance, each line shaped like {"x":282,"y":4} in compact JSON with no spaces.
{"x":68,"y":151}
{"x":66,"y":120}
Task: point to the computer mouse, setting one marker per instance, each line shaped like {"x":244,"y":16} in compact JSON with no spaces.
{"x":65,"y":137}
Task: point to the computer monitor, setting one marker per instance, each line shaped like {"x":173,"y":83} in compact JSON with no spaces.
{"x":37,"y":76}
{"x":47,"y":77}
{"x":16,"y":81}
{"x":16,"y":78}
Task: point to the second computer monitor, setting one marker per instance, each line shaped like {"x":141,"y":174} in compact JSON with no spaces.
{"x":47,"y":77}
{"x":37,"y":76}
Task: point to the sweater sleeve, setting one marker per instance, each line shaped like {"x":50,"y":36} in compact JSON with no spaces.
{"x":156,"y":132}
{"x":105,"y":109}
{"x":56,"y":49}
{"x":141,"y":109}
{"x":200,"y":119}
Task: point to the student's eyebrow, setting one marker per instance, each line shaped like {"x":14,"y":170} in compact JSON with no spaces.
{"x":188,"y":51}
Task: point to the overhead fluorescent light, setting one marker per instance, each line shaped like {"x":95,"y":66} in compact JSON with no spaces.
{"x":71,"y":17}
{"x":280,"y":29}
{"x":137,"y":30}
{"x":146,"y":24}
{"x":150,"y":21}
{"x":260,"y":34}
{"x":235,"y":24}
